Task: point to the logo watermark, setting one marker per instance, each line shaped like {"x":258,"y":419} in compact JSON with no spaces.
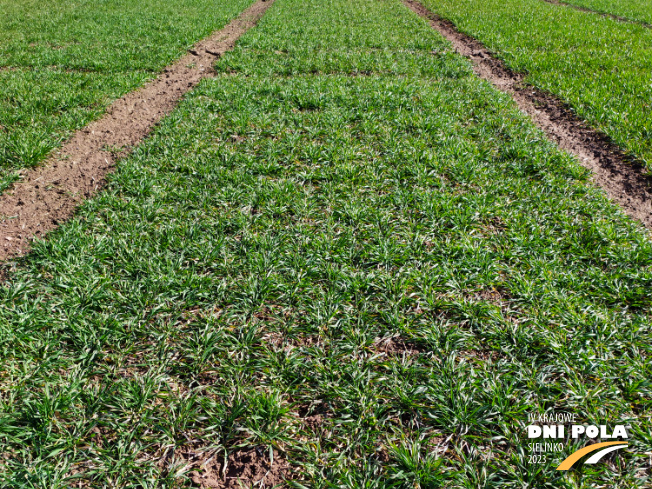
{"x":553,"y":431}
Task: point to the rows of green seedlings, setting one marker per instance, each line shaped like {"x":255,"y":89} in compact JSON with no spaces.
{"x":599,"y":66}
{"x":347,"y":249}
{"x":634,"y":10}
{"x":63,"y":62}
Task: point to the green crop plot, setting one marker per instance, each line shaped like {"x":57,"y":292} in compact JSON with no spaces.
{"x":635,"y":10}
{"x":63,"y":62}
{"x":370,"y":256}
{"x":600,"y":67}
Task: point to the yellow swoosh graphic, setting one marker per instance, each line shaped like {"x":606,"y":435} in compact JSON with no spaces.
{"x":574,"y":457}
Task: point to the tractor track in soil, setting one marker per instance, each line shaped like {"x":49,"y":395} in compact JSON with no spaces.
{"x":48,"y":195}
{"x":622,"y":177}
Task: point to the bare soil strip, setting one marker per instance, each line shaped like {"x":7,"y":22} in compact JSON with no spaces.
{"x":49,"y":194}
{"x":624,"y":179}
{"x":602,"y":14}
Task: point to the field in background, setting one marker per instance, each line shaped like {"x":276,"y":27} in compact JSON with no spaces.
{"x":599,"y":66}
{"x":634,"y":10}
{"x":345,"y":250}
{"x":63,"y":62}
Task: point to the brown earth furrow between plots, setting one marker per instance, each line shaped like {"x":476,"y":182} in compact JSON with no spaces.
{"x":49,"y":194}
{"x":624,"y":179}
{"x":597,"y":12}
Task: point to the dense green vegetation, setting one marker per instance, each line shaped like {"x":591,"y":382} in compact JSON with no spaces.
{"x":63,"y":62}
{"x":373,"y":263}
{"x":635,"y":10}
{"x":599,"y":66}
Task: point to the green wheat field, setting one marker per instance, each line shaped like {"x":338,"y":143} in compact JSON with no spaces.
{"x":345,"y":252}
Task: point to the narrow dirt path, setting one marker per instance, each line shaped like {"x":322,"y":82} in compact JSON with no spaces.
{"x":49,"y":194}
{"x":597,"y":12}
{"x":624,"y":180}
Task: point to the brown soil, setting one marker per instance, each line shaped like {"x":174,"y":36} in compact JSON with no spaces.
{"x":624,"y":179}
{"x":482,"y":355}
{"x":49,"y":194}
{"x":313,"y":422}
{"x":397,"y":346}
{"x":245,"y":468}
{"x":493,"y":296}
{"x":602,"y":14}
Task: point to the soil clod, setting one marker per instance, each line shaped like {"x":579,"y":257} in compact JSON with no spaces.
{"x":244,"y":468}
